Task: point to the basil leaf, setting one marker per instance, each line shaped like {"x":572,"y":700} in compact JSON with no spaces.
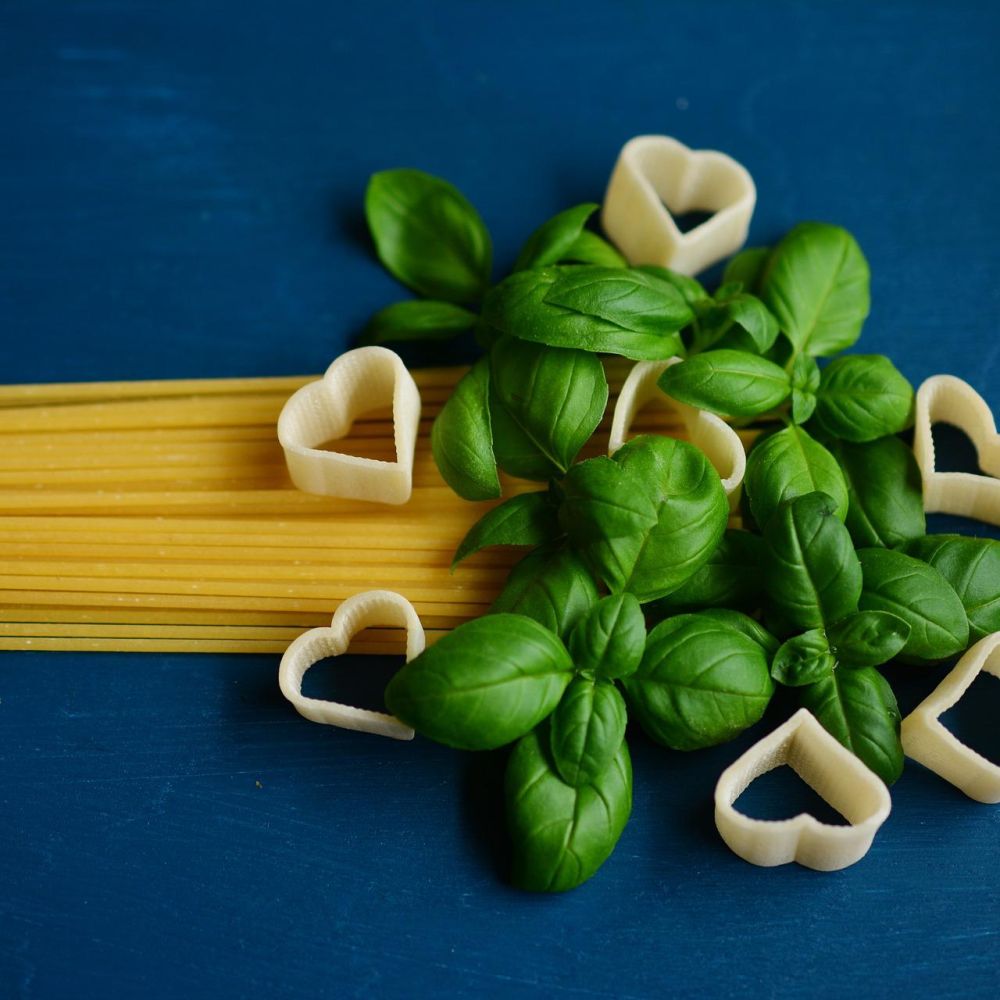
{"x":863,"y":397}
{"x":609,"y":639}
{"x":561,"y":835}
{"x":811,"y":574}
{"x":700,"y":683}
{"x":648,"y":518}
{"x":586,"y":730}
{"x":730,"y":578}
{"x":589,"y":248}
{"x":741,"y":622}
{"x":550,"y":585}
{"x":803,"y":405}
{"x":788,"y":464}
{"x":462,"y":438}
{"x":428,"y":236}
{"x":804,"y":659}
{"x":518,"y":306}
{"x":805,"y":382}
{"x":417,"y":319}
{"x":738,"y":321}
{"x":868,"y":638}
{"x":556,"y":397}
{"x":734,"y":383}
{"x":484,"y":684}
{"x":885,"y":491}
{"x":550,"y":242}
{"x":816,"y":284}
{"x":858,"y":708}
{"x":921,"y":596}
{"x":691,"y":290}
{"x":747,"y":267}
{"x":527,"y":519}
{"x":632,"y":299}
{"x":972,"y":567}
{"x":515,"y":452}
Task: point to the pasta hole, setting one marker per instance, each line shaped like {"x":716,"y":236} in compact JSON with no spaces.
{"x":974,"y":719}
{"x":686,"y":221}
{"x":371,"y":436}
{"x":355,"y":679}
{"x":782,"y":794}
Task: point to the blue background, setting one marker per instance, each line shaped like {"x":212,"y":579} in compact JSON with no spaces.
{"x":180,"y":194}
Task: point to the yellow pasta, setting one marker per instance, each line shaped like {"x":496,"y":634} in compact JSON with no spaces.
{"x":159,"y":516}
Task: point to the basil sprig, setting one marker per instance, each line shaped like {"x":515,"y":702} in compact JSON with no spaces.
{"x":643,"y":535}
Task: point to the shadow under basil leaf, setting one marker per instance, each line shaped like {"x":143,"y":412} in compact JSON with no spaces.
{"x":483,"y":810}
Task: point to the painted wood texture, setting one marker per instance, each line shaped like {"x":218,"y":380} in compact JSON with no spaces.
{"x":180,"y":194}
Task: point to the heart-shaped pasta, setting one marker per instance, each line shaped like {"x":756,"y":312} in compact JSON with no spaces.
{"x":358,"y":381}
{"x":361,"y":611}
{"x":720,"y":443}
{"x":925,"y":738}
{"x":656,"y":178}
{"x":856,"y":792}
{"x":949,"y":400}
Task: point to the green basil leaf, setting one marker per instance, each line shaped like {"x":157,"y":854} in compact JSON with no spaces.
{"x":803,"y":405}
{"x":691,"y":290}
{"x":647,"y":518}
{"x":806,"y":374}
{"x":868,"y":638}
{"x":589,"y":248}
{"x":527,"y":519}
{"x":817,"y":285}
{"x":700,"y":683}
{"x":885,"y":491}
{"x":747,"y":267}
{"x":632,"y":299}
{"x":972,"y":567}
{"x":734,"y":383}
{"x":739,"y":322}
{"x":730,"y":578}
{"x":551,"y":585}
{"x":561,"y":835}
{"x":921,"y":596}
{"x":862,"y":397}
{"x":811,"y":574}
{"x":484,"y":684}
{"x":858,"y":708}
{"x":803,"y":659}
{"x":555,"y":396}
{"x":518,"y":306}
{"x":741,"y":622}
{"x":417,"y":319}
{"x":609,"y":639}
{"x":805,"y":382}
{"x":428,"y":236}
{"x":515,"y":452}
{"x":550,"y":242}
{"x":462,"y":438}
{"x":786,"y":465}
{"x":587,"y":729}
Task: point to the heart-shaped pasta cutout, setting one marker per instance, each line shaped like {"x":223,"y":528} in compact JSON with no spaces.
{"x":357,"y":382}
{"x":948,"y":400}
{"x":839,"y":777}
{"x":926,"y":740}
{"x":656,"y":178}
{"x":720,"y":443}
{"x":371,"y":608}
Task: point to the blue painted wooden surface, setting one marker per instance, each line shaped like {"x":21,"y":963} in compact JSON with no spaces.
{"x":180,"y":190}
